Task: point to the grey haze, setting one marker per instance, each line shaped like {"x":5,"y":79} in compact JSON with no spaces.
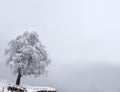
{"x":81,"y":37}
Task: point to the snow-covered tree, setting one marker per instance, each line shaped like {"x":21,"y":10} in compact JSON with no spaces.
{"x":27,"y":56}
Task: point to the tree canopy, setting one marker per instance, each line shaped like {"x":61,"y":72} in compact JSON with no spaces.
{"x":27,"y":54}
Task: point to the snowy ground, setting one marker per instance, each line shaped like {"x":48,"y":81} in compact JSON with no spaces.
{"x":5,"y":84}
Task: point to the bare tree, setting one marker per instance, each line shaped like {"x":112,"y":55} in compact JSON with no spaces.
{"x":27,"y":56}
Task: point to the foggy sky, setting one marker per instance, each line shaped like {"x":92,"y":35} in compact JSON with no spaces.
{"x":87,"y":30}
{"x":73,"y":31}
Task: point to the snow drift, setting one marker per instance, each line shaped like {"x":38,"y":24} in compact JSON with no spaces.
{"x":6,"y":86}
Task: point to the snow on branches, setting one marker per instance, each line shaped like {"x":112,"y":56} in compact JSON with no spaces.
{"x":28,"y":54}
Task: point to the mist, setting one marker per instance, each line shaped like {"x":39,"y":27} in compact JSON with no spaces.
{"x":81,"y":38}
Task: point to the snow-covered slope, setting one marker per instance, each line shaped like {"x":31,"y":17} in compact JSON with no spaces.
{"x":36,"y":89}
{"x":5,"y":85}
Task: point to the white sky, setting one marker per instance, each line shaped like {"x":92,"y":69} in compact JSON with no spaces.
{"x":73,"y":31}
{"x":86,"y":30}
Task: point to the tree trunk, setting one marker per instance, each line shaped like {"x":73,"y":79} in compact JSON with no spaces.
{"x":18,"y":77}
